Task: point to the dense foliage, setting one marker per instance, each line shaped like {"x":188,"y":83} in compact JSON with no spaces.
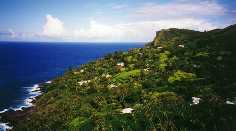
{"x":157,"y":82}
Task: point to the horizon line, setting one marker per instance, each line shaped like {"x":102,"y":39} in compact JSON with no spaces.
{"x":75,"y":41}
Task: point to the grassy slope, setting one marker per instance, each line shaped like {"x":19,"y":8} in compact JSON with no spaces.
{"x":157,"y":83}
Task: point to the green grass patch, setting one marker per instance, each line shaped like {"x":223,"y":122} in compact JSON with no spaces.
{"x":125,"y":75}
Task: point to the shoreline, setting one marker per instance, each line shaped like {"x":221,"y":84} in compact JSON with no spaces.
{"x":15,"y":113}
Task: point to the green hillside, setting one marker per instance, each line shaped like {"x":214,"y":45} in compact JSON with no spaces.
{"x":157,"y":82}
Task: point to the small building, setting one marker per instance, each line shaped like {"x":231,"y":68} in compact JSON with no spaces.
{"x":83,"y":82}
{"x":120,"y":64}
{"x":112,"y":86}
{"x":127,"y":110}
{"x":182,"y":46}
{"x":196,"y":100}
{"x":230,"y":103}
{"x":108,"y":76}
{"x":146,"y":70}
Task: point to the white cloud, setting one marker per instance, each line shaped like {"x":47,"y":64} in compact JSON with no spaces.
{"x":181,"y":8}
{"x":150,"y":17}
{"x":145,"y":30}
{"x":12,"y":33}
{"x":53,"y":27}
{"x":94,"y":31}
{"x":102,"y":32}
{"x":135,"y":31}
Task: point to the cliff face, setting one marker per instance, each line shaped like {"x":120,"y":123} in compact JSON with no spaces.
{"x":173,"y":35}
{"x":182,"y":80}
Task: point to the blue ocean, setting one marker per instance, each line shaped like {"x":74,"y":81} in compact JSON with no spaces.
{"x":23,"y":65}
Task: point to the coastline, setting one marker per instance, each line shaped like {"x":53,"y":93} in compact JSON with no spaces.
{"x":11,"y":114}
{"x":14,"y":113}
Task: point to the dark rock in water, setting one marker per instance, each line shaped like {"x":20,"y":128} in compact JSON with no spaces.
{"x":23,"y":108}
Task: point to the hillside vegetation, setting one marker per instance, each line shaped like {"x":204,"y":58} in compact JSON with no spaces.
{"x":182,"y":80}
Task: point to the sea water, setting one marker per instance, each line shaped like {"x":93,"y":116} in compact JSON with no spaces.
{"x":24,"y":65}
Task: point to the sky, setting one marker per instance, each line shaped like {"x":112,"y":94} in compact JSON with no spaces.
{"x":108,"y":20}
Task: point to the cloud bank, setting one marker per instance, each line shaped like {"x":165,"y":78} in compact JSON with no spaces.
{"x":150,"y":17}
{"x":53,"y":27}
{"x":144,"y":21}
{"x":138,"y":31}
{"x":10,"y":33}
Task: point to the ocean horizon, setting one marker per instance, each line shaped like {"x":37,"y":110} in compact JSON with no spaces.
{"x":25,"y":65}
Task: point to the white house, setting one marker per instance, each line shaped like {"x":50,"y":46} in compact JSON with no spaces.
{"x":112,"y":86}
{"x":146,"y":70}
{"x":127,"y":110}
{"x":121,"y":64}
{"x":83,"y":82}
{"x":196,"y":100}
{"x":108,"y":76}
{"x":230,"y":103}
{"x":182,"y":46}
